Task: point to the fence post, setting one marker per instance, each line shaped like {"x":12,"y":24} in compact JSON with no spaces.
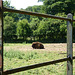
{"x":69,"y":45}
{"x":1,"y":37}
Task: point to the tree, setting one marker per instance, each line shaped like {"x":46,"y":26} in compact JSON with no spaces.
{"x":56,"y":6}
{"x":9,"y":27}
{"x":7,"y":4}
{"x":23,"y":29}
{"x":41,"y":31}
{"x":34,"y":25}
{"x":70,"y":4}
{"x":41,"y":0}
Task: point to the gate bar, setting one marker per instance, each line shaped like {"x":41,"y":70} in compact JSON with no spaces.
{"x":36,"y":14}
{"x":1,"y":37}
{"x":35,"y":66}
{"x":69,"y":45}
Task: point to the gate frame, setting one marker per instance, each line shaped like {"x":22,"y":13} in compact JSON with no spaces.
{"x":69,"y":57}
{"x":1,"y":37}
{"x":69,"y":45}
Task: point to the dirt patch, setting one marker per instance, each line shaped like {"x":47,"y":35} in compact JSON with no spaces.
{"x":48,"y":47}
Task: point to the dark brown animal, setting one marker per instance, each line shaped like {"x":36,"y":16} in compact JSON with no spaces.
{"x":37,"y":45}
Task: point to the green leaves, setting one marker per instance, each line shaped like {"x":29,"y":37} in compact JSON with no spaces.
{"x":23,"y":28}
{"x":57,"y":6}
{"x":27,"y":27}
{"x":9,"y":27}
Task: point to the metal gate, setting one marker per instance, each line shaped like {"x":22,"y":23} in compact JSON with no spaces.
{"x":69,"y":57}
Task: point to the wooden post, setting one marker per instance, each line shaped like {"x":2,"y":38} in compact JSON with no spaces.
{"x":1,"y":37}
{"x":69,"y":46}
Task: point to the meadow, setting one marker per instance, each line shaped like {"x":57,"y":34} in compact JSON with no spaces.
{"x":21,"y":54}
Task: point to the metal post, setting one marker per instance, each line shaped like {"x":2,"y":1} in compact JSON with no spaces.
{"x":1,"y":36}
{"x":69,"y":46}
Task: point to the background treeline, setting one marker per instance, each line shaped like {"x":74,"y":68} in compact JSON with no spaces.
{"x":26,"y":28}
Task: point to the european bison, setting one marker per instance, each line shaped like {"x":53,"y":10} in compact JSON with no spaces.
{"x":37,"y":45}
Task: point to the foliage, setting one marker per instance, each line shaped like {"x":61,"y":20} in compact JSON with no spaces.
{"x":9,"y":27}
{"x":41,"y":0}
{"x":23,"y":29}
{"x":38,"y":28}
{"x":7,"y":4}
{"x":56,"y":6}
{"x":34,"y":8}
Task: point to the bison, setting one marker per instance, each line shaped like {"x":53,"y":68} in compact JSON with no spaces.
{"x":37,"y":45}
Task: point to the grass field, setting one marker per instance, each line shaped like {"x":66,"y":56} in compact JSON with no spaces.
{"x":19,"y":55}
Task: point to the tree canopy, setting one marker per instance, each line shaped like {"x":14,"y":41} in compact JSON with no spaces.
{"x":26,"y":27}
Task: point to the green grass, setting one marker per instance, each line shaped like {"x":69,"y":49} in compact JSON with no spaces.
{"x":14,"y":59}
{"x":12,"y":44}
